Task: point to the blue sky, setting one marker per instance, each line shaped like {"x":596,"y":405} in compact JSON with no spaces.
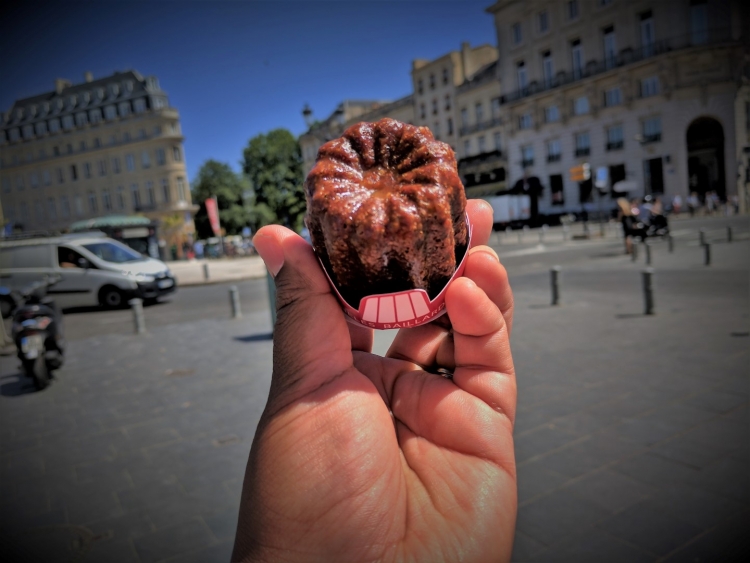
{"x":240,"y":68}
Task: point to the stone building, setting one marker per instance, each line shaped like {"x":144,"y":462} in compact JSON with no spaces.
{"x":655,"y":91}
{"x":107,"y":146}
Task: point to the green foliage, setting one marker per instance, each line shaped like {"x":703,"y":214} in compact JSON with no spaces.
{"x":218,"y":179}
{"x":273,"y":165}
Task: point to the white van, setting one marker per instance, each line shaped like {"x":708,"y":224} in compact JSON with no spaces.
{"x":94,"y":269}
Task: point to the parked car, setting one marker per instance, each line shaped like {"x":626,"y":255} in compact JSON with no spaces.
{"x":93,"y":269}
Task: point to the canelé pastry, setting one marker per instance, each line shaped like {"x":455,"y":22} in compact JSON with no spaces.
{"x":386,"y":210}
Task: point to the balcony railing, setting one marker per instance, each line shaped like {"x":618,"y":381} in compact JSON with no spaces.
{"x":584,"y":151}
{"x":553,"y":157}
{"x":625,"y":57}
{"x":481,"y":126}
{"x":615,"y":145}
{"x":653,"y":138}
{"x":527,"y":163}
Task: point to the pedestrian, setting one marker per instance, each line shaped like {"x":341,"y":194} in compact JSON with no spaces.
{"x":358,"y":457}
{"x":709,"y":203}
{"x":627,"y":219}
{"x":198,"y":249}
{"x":693,"y":203}
{"x":677,"y":204}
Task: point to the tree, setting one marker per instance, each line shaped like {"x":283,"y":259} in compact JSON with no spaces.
{"x":230,"y":189}
{"x":273,"y":165}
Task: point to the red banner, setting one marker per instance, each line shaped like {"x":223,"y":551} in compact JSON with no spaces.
{"x":212,"y":209}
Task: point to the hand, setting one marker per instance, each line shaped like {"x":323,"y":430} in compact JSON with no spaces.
{"x":364,"y":458}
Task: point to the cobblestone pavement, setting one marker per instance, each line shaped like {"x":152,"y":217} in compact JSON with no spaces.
{"x":632,"y":436}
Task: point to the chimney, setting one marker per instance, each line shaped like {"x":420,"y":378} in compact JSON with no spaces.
{"x":61,"y":84}
{"x":89,"y":76}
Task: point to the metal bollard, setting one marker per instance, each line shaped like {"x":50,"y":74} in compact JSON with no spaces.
{"x":205,"y":272}
{"x":702,"y":235}
{"x":729,"y":234}
{"x":234,"y":301}
{"x":707,"y":254}
{"x":634,"y":255}
{"x":648,"y":291}
{"x":138,"y":319}
{"x":670,"y":242}
{"x":647,"y":248}
{"x":565,"y":232}
{"x":554,"y":278}
{"x":271,"y":298}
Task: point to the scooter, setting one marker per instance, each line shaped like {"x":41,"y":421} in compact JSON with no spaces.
{"x":37,"y":332}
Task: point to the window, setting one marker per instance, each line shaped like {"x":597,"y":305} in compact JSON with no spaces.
{"x":10,"y":212}
{"x":521,"y":75}
{"x":139,"y":105}
{"x":482,"y":144}
{"x":69,"y":148}
{"x":436,"y":130}
{"x":583,"y":144}
{"x":445,"y":76}
{"x":432,"y":81}
{"x":130,"y":162}
{"x":51,"y":209}
{"x":46,"y":180}
{"x":576,"y":54}
{"x":165,"y":190}
{"x":548,"y":69}
{"x":615,"y":138}
{"x":610,"y":46}
{"x":157,"y":130}
{"x":450,"y":126}
{"x":551,"y":114}
{"x":92,"y":202}
{"x":97,"y":142}
{"x":572,"y":9}
{"x":464,"y":117}
{"x":64,"y":207}
{"x":113,"y":140}
{"x":87,"y":170}
{"x":60,"y":176}
{"x":82,"y":146}
{"x":647,"y":34}
{"x":41,"y":128}
{"x":176,"y":155}
{"x":124,"y":108}
{"x":161,"y":158}
{"x":434,"y":106}
{"x":150,"y":194}
{"x":67,"y":122}
{"x":106,"y":200}
{"x":78,"y":205}
{"x":556,"y":187}
{"x":495,"y":108}
{"x":135,"y":196}
{"x":34,"y":180}
{"x":652,"y":130}
{"x":20,"y":184}
{"x":525,"y":121}
{"x":141,"y":133}
{"x":81,"y":119}
{"x":54,"y":125}
{"x":698,"y":22}
{"x":515,"y":31}
{"x":38,"y":211}
{"x":145,"y":159}
{"x":102,"y":164}
{"x":181,"y":189}
{"x":447,"y":102}
{"x":543,"y":19}
{"x":420,"y":86}
{"x":7,"y":187}
{"x":422,"y":111}
{"x":126,"y":137}
{"x":581,"y":105}
{"x":479,"y":112}
{"x":527,"y":156}
{"x":612,"y":97}
{"x":28,"y":131}
{"x":95,"y":116}
{"x":498,"y":144}
{"x":14,"y":134}
{"x":467,"y":147}
{"x":553,"y":150}
{"x":42,"y":154}
{"x":649,"y":86}
{"x":120,"y":197}
{"x":116,"y":165}
{"x":110,"y":112}
{"x":24,"y":211}
{"x":73,"y":172}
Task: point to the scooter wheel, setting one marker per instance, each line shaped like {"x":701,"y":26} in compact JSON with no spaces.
{"x":37,"y":370}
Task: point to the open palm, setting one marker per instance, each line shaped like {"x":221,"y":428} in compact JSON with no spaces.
{"x":363,"y":458}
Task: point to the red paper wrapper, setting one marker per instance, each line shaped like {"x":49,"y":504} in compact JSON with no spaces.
{"x":403,"y":309}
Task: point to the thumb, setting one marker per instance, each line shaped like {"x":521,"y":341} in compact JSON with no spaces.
{"x":311,"y":343}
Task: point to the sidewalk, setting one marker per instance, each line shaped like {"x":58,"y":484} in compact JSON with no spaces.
{"x":191,"y":272}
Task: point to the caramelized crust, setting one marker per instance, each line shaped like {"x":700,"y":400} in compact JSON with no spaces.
{"x":385,"y":210}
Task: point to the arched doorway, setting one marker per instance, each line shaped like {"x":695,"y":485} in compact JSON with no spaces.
{"x":705,"y":144}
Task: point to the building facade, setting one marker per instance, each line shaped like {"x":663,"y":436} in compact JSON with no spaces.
{"x":654,"y":91}
{"x":106,"y":146}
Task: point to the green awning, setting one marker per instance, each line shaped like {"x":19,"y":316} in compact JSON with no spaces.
{"x":110,"y":221}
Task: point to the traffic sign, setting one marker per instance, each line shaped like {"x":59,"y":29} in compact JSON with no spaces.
{"x":580,"y":173}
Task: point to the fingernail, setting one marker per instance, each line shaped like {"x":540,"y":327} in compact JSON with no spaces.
{"x":486,"y":250}
{"x":271,"y":252}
